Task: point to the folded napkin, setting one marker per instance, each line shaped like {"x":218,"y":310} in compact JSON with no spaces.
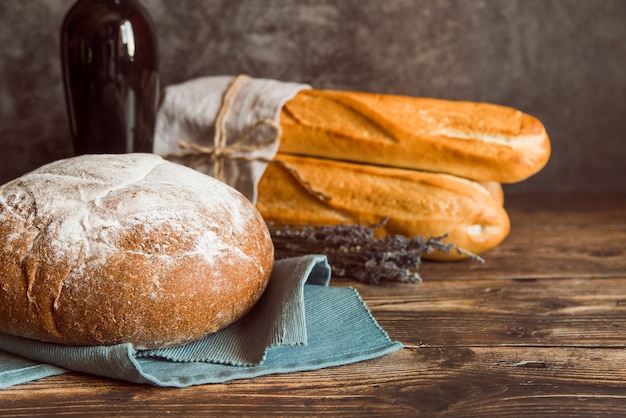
{"x":299,"y":324}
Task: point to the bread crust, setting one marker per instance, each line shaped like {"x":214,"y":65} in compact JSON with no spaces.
{"x":495,"y":190}
{"x":478,"y":141}
{"x":416,"y":203}
{"x":100,"y":250}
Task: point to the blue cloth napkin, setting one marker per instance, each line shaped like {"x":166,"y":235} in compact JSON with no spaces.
{"x":299,"y":324}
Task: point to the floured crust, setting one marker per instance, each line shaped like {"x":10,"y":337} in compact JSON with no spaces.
{"x":99,"y":250}
{"x":479,"y":141}
{"x":417,"y":203}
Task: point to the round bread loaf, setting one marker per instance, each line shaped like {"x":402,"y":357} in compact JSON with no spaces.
{"x":106,"y":249}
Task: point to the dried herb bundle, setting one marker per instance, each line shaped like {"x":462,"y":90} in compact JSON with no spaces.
{"x":354,"y":252}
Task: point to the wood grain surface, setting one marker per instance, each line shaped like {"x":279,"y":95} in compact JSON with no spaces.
{"x":539,"y":329}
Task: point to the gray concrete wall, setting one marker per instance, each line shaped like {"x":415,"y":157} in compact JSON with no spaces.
{"x":562,"y":61}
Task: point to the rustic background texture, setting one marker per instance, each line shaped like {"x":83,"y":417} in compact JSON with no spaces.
{"x":563,"y":61}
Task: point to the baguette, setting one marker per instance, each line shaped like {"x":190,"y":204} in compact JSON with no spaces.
{"x":495,"y":190}
{"x":415,"y":203}
{"x":478,"y":141}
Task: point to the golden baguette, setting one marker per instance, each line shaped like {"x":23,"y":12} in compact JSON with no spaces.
{"x":416,"y":203}
{"x":478,"y":141}
{"x":495,"y":190}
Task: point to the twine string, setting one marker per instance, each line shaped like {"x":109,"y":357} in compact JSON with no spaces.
{"x":238,"y":150}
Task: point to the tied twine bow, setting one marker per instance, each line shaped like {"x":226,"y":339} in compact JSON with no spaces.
{"x":198,"y":155}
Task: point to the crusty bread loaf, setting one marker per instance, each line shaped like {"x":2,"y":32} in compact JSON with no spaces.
{"x":478,"y":141}
{"x":99,"y":250}
{"x":417,"y":203}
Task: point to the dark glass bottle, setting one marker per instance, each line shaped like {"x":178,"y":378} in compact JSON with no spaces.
{"x":110,"y":72}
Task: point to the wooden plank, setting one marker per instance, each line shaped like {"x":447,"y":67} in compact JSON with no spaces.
{"x":567,"y":209}
{"x":455,"y":381}
{"x":564,"y":312}
{"x":501,"y":382}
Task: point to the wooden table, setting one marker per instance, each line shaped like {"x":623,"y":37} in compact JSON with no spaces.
{"x":539,"y":329}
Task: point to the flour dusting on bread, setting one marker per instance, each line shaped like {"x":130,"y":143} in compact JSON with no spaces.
{"x":135,"y":224}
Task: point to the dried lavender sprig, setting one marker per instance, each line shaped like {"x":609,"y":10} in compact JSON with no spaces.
{"x":354,"y":252}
